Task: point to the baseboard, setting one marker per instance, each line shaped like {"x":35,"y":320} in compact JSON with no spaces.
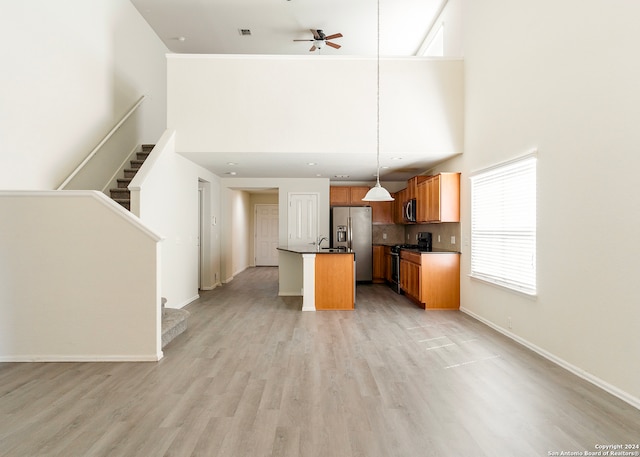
{"x":289,"y":294}
{"x":184,"y":303}
{"x":82,"y":358}
{"x":613,"y":390}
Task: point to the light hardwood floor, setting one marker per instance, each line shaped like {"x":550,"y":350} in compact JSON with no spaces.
{"x":255,"y":376}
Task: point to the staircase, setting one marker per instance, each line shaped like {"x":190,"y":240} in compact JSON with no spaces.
{"x":174,"y":321}
{"x":121,"y":194}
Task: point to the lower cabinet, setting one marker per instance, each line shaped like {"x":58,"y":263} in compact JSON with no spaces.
{"x":410,"y":273}
{"x":379,"y":264}
{"x":431,"y":279}
{"x":388,"y":264}
{"x":334,"y":281}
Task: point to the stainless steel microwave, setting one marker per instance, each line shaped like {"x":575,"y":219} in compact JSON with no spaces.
{"x":409,"y":210}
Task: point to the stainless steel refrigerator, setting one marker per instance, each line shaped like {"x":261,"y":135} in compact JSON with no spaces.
{"x":351,"y":228}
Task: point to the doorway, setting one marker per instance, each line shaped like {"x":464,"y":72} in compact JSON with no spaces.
{"x":266,"y":239}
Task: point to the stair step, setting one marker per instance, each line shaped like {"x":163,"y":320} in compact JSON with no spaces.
{"x":174,"y":322}
{"x":123,"y":183}
{"x":121,"y":194}
{"x":129,"y":173}
{"x":125,"y":202}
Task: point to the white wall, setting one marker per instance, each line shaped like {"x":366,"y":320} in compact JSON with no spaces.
{"x":562,"y":77}
{"x":73,"y":288}
{"x":243,"y":104}
{"x":236,"y":256}
{"x":451,"y":18}
{"x":169,"y":204}
{"x":70,"y":72}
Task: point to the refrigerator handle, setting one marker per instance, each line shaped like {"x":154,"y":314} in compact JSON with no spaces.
{"x":350,"y":235}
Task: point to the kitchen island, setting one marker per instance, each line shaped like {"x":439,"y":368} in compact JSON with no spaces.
{"x":327,"y":279}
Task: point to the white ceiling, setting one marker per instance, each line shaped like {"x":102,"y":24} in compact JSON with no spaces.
{"x":213,"y":27}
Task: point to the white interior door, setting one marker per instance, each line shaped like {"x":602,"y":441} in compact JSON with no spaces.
{"x":266,"y":239}
{"x":303,"y":219}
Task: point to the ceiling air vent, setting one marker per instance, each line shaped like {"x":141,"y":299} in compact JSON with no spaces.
{"x":244,"y":32}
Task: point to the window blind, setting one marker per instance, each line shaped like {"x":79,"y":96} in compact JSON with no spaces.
{"x":503,"y":225}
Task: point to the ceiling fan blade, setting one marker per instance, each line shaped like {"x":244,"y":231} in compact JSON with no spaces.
{"x":303,"y":40}
{"x":313,"y":48}
{"x":333,"y":45}
{"x":316,"y":35}
{"x":335,"y":35}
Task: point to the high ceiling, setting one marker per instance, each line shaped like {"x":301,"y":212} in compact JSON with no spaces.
{"x":216,"y":27}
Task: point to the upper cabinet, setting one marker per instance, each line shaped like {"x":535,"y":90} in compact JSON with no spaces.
{"x":347,"y":195}
{"x":439,"y":198}
{"x":400,"y":197}
{"x":381,"y":212}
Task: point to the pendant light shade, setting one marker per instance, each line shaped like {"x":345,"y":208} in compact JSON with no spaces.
{"x":378,"y":193}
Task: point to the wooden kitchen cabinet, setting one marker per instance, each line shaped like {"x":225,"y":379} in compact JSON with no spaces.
{"x":347,"y":195}
{"x":438,"y":198}
{"x":357,"y":194}
{"x":432,"y":280}
{"x":379,"y":264}
{"x":388,"y":262}
{"x":410,"y":273}
{"x":381,"y":212}
{"x":400,"y":198}
{"x":412,"y":186}
{"x":339,"y":196}
{"x":334,"y":281}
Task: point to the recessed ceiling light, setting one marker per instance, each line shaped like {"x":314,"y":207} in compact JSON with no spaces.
{"x":181,"y":38}
{"x":232,"y":173}
{"x":396,"y":158}
{"x":231,"y":163}
{"x":311,"y":164}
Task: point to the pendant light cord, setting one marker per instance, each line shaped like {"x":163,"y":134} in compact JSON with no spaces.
{"x":378,"y":101}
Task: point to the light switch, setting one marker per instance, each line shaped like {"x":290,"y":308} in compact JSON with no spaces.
{"x":453,"y":239}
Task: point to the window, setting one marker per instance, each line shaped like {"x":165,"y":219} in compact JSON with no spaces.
{"x":503,"y":225}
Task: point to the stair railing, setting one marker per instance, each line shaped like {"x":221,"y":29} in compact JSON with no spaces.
{"x":95,"y":150}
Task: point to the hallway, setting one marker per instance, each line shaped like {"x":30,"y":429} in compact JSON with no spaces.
{"x":255,"y":376}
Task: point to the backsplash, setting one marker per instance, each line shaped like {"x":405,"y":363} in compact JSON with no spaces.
{"x":407,"y":234}
{"x":394,"y":234}
{"x":445,"y":231}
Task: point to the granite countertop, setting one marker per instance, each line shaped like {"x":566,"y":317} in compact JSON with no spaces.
{"x":315,"y":250}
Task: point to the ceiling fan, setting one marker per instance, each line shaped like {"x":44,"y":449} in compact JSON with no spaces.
{"x":320,"y":39}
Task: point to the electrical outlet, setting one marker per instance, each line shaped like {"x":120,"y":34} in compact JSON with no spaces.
{"x":453,"y":240}
{"x":384,"y":236}
{"x":438,"y":238}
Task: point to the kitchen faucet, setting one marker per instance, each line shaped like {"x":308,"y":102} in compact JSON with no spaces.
{"x":321,"y":239}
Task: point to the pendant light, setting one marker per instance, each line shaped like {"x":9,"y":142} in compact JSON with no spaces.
{"x":378,"y":193}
